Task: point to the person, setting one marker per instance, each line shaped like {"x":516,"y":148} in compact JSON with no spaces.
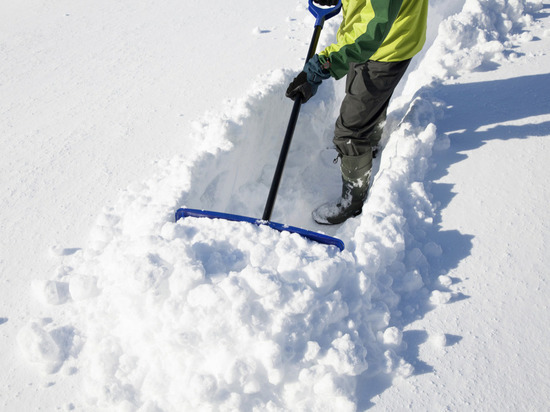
{"x":374,"y":46}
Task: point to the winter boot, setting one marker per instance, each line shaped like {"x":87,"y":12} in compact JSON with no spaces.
{"x":355,"y":184}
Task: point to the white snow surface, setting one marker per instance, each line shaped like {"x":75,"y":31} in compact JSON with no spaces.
{"x":114,"y":115}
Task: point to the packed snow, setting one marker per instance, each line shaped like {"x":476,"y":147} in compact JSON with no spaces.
{"x":156,"y":315}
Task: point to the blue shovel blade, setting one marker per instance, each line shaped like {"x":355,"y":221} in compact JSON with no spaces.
{"x":316,"y":237}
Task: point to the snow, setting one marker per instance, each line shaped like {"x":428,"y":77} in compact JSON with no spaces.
{"x":115,"y":115}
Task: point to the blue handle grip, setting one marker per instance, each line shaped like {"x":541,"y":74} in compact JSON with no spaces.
{"x":322,"y":13}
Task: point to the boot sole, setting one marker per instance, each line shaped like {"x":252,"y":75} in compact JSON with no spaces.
{"x":327,"y":222}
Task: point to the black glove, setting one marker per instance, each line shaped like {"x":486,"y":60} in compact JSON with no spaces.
{"x":308,"y":81}
{"x":326,"y":2}
{"x":300,"y":86}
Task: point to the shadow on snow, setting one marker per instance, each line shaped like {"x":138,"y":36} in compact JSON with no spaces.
{"x":476,"y":113}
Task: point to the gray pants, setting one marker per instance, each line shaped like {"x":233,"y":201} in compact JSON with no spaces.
{"x":369,"y":87}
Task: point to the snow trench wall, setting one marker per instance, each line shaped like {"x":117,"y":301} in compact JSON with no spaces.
{"x":202,"y":314}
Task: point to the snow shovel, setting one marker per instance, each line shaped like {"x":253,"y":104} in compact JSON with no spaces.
{"x":321,"y":14}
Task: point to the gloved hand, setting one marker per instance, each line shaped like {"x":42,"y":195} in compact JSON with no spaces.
{"x":326,"y":2}
{"x":308,"y":81}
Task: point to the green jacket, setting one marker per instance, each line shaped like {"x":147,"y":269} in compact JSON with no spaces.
{"x":381,"y":30}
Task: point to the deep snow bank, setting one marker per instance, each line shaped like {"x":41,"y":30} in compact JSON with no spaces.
{"x":204,"y":314}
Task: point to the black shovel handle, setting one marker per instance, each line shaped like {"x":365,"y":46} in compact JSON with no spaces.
{"x":289,"y":131}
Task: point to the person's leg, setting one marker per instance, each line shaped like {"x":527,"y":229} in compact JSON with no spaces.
{"x":369,"y":87}
{"x":358,"y":130}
